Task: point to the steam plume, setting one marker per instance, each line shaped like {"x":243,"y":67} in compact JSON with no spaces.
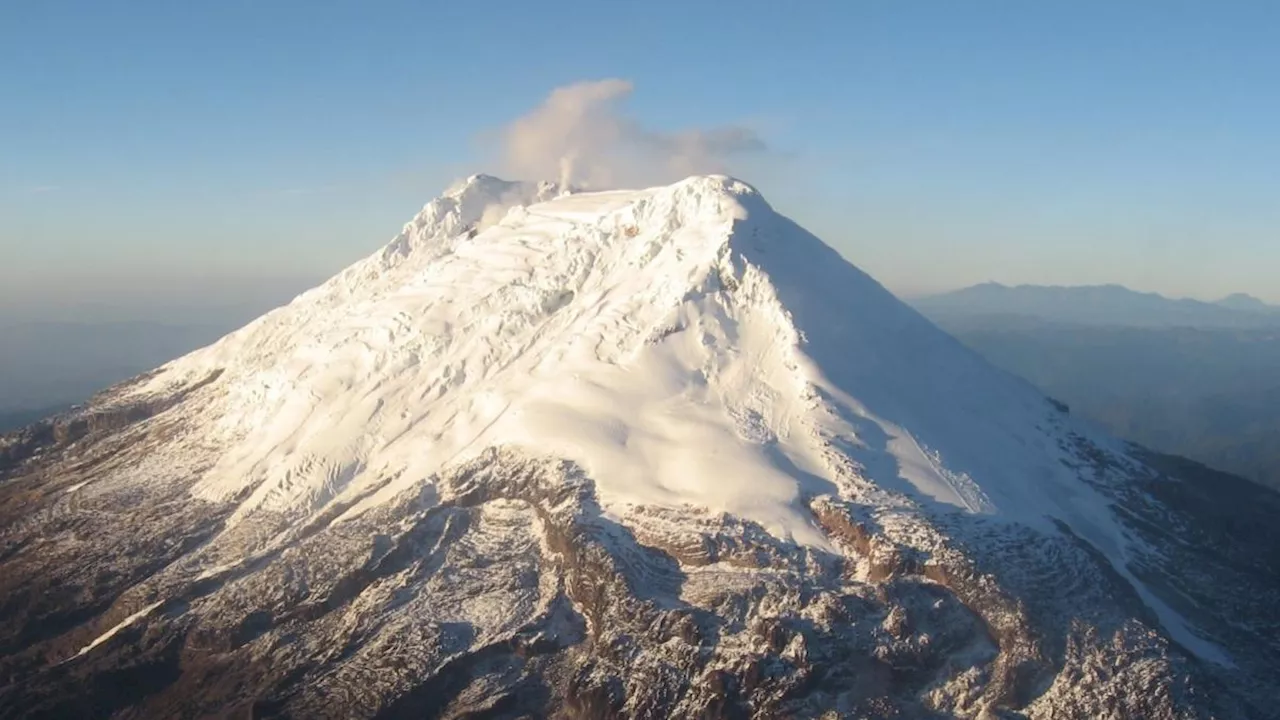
{"x":582,"y":135}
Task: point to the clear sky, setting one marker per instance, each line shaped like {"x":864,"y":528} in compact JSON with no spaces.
{"x":149,"y":143}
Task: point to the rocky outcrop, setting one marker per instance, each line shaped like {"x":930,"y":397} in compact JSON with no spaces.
{"x":502,"y":589}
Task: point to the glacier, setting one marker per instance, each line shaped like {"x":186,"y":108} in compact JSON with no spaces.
{"x":598,"y":326}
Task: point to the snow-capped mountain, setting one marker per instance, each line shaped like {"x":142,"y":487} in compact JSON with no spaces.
{"x":656,"y":453}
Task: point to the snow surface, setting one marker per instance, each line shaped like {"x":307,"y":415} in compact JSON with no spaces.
{"x":598,"y":327}
{"x":686,"y":345}
{"x":117,"y":628}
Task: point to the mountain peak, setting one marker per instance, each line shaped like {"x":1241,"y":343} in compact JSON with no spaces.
{"x":641,"y":452}
{"x":1105,"y":305}
{"x":1245,"y":301}
{"x":514,"y":314}
{"x":543,"y":315}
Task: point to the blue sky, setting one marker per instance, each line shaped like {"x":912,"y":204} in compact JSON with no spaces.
{"x":936,"y":144}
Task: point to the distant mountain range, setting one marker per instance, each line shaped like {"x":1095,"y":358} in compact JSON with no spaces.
{"x":1110,"y":305}
{"x":1192,"y":378}
{"x":1246,"y":302}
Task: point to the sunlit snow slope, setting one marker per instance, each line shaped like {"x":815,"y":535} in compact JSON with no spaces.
{"x":685,"y":344}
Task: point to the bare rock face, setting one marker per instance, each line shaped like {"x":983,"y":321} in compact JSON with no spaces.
{"x":658,"y":454}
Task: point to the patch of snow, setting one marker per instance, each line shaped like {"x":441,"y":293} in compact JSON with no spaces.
{"x":120,"y":626}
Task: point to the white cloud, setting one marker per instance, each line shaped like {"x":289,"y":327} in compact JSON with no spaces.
{"x":582,"y":134}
